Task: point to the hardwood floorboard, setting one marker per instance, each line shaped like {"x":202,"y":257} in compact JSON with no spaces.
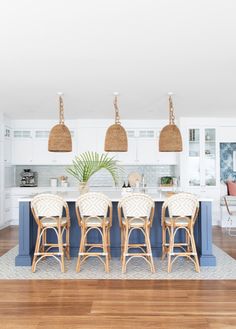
{"x":117,"y":304}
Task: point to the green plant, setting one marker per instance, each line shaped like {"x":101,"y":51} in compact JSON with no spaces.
{"x":87,"y":164}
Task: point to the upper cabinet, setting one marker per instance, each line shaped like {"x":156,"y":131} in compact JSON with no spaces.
{"x":31,"y":147}
{"x":143,"y":149}
{"x":7,"y":145}
{"x":201,"y":157}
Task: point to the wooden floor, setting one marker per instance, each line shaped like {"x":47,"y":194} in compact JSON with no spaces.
{"x":117,"y":304}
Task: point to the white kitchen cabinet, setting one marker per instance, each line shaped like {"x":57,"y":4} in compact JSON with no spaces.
{"x":202,"y":157}
{"x":22,"y":147}
{"x":7,"y":146}
{"x":91,"y":139}
{"x":31,"y":147}
{"x":200,"y":165}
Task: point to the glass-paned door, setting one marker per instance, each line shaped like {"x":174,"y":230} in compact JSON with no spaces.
{"x":194,"y":174}
{"x":210,"y":156}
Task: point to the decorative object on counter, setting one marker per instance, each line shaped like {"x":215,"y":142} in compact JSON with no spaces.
{"x":116,"y":137}
{"x":28,"y":178}
{"x":60,"y":136}
{"x":88,"y":163}
{"x":166,"y":181}
{"x":170,"y":137}
{"x":53,"y":182}
{"x":134,"y":179}
{"x":64,"y":181}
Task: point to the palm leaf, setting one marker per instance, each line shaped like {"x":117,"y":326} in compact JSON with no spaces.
{"x":88,"y":163}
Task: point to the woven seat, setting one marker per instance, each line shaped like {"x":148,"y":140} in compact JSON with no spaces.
{"x":94,"y":212}
{"x":182,"y":213}
{"x":50,"y":221}
{"x":177,"y":221}
{"x":134,"y":221}
{"x":138,"y":212}
{"x":47,"y":210}
{"x":94,"y":221}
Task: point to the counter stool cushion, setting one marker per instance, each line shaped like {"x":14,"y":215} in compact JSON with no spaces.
{"x":178,"y":221}
{"x":94,"y":221}
{"x":134,"y":222}
{"x":50,"y":221}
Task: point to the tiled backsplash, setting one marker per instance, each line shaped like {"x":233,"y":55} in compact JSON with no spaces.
{"x":226,"y":161}
{"x":151,"y":174}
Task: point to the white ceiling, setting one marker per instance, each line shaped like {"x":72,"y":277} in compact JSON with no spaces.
{"x":141,"y":48}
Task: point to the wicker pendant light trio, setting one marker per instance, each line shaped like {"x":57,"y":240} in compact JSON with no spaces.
{"x":60,"y":137}
{"x":116,"y":138}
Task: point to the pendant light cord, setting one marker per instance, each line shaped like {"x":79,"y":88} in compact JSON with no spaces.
{"x":117,"y":116}
{"x":61,"y":109}
{"x":171,"y":112}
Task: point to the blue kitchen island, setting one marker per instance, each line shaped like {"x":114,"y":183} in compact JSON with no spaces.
{"x":28,"y":229}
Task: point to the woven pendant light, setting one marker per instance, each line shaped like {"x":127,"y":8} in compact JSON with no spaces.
{"x":60,"y":137}
{"x":170,"y":139}
{"x":116,"y":137}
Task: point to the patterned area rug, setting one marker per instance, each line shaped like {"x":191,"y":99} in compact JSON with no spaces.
{"x":137,"y":269}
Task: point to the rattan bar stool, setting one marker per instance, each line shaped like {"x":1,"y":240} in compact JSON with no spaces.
{"x":135,"y":212}
{"x":47,"y":210}
{"x":94,"y":212}
{"x":183,"y":210}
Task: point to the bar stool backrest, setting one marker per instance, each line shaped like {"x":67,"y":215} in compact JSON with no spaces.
{"x":137,"y":205}
{"x":48,"y":205}
{"x":182,"y":205}
{"x":93,"y":204}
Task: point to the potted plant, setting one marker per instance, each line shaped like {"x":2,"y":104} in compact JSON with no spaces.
{"x":87,"y":164}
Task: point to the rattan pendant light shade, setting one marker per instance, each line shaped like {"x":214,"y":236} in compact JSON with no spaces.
{"x":60,"y":136}
{"x":116,"y":137}
{"x":170,"y":139}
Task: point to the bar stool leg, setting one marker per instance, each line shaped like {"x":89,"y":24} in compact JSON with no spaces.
{"x":149,"y":249}
{"x":125,"y":250}
{"x":61,"y":250}
{"x":171,"y":248}
{"x":121,"y":242}
{"x":109,"y":241}
{"x":37,"y":247}
{"x":81,"y":248}
{"x":68,"y":242}
{"x":105,"y":250}
{"x":194,"y":250}
{"x":163,"y":241}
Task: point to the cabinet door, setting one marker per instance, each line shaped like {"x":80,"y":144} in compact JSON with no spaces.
{"x":41,"y":155}
{"x":7,"y":150}
{"x":22,"y":147}
{"x":147,"y":151}
{"x":129,"y":157}
{"x":87,"y":140}
{"x":209,"y":174}
{"x":193,"y":157}
{"x":167,"y":158}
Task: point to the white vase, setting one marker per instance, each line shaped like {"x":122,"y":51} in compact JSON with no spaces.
{"x":83,"y":187}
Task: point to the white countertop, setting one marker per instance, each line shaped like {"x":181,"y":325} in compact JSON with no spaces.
{"x":72,"y":196}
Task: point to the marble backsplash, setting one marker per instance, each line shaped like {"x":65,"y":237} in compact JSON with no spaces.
{"x":151,"y":174}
